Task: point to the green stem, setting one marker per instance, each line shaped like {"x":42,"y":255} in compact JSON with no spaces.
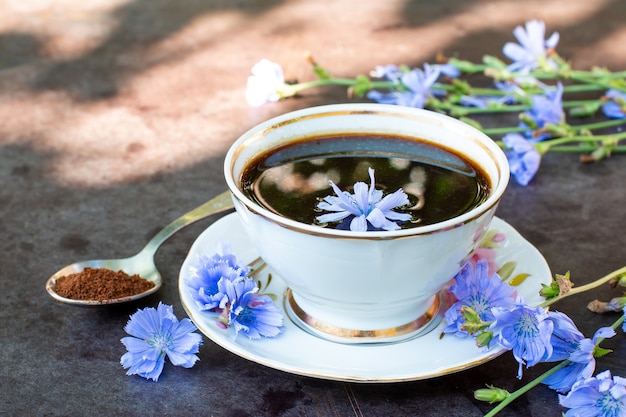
{"x":582,"y":77}
{"x":503,"y":130}
{"x":614,"y":326}
{"x":475,"y":91}
{"x":348,"y":82}
{"x":462,"y":111}
{"x":588,"y":126}
{"x":601,"y":125}
{"x":584,"y":149}
{"x":523,"y":390}
{"x":581,"y":139}
{"x":586,"y":287}
{"x":580,"y":88}
{"x":515,"y":108}
{"x":611,"y":75}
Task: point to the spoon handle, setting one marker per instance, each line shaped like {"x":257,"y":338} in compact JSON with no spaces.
{"x":216,"y":205}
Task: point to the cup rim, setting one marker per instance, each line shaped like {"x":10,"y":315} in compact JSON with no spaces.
{"x":497,"y":154}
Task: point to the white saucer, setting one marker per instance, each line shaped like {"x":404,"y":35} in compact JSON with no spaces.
{"x":297,"y":351}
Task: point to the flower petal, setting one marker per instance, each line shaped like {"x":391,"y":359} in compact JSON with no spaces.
{"x":333,"y":217}
{"x":378,"y":220}
{"x":358,"y":224}
{"x":391,"y":201}
{"x":361,"y":197}
{"x":160,"y":333}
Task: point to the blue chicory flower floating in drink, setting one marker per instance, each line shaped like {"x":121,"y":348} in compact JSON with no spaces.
{"x":366,"y":206}
{"x":154,"y":334}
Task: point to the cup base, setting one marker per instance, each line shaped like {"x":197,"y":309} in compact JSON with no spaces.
{"x":419,"y":326}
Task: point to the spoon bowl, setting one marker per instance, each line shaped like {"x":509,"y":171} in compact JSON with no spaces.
{"x":142,"y":263}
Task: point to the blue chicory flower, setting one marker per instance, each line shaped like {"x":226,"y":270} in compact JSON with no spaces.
{"x":569,"y":343}
{"x":206,"y":276}
{"x":265,"y":83}
{"x":565,"y":337}
{"x":523,"y":157}
{"x":366,"y":206}
{"x":526,"y":331}
{"x":615,"y":107}
{"x":533,"y":49}
{"x":254,"y":314}
{"x":546,"y":109}
{"x":599,"y":396}
{"x":221,"y":284}
{"x":419,"y":84}
{"x":474,"y":287}
{"x":156,"y":333}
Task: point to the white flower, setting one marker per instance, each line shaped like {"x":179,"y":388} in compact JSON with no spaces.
{"x":265,"y":83}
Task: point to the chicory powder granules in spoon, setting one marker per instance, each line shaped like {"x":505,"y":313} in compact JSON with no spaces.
{"x":100,"y":284}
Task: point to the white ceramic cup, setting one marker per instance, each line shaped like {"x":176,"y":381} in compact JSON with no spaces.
{"x":374,"y":286}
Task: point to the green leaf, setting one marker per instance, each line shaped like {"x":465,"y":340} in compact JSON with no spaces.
{"x":550,"y":291}
{"x":464,"y":66}
{"x":600,"y":71}
{"x":598,"y":352}
{"x":321,"y":73}
{"x":618,"y":84}
{"x":362,"y":86}
{"x":493,"y":62}
{"x":462,"y":87}
{"x":587,"y":109}
{"x":506,"y":270}
{"x":518,"y":279}
{"x":484,"y":339}
{"x":488,"y":241}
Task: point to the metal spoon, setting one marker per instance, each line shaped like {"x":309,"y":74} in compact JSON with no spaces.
{"x":143,"y":262}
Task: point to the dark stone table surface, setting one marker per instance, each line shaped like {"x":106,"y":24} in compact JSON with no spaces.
{"x":115,"y":117}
